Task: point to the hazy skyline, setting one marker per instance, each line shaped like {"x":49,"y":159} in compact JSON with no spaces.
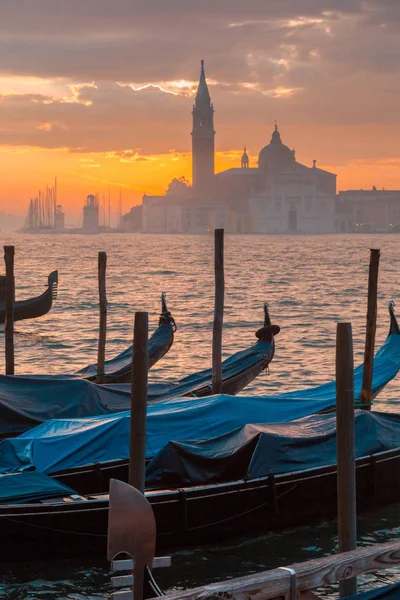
{"x":100,"y":93}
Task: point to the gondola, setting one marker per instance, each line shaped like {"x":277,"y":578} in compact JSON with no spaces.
{"x":33,"y":307}
{"x":238,"y":370}
{"x":118,"y":369}
{"x":86,"y":453}
{"x":28,"y":401}
{"x":252,"y":493}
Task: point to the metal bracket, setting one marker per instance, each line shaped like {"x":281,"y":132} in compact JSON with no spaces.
{"x":293,"y":582}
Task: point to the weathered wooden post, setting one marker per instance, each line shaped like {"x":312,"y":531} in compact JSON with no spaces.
{"x":9,"y":252}
{"x":140,"y":360}
{"x":345,"y":448}
{"x":101,"y":351}
{"x":218,"y":311}
{"x":366,"y":390}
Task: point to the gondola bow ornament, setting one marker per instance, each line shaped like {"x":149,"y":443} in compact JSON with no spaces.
{"x":131,"y":530}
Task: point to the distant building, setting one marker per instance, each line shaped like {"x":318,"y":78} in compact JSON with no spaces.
{"x":278,"y":195}
{"x":162,"y":215}
{"x":368,"y":210}
{"x":154,"y":214}
{"x":91,"y":215}
{"x":132,"y":221}
{"x":289,"y":197}
{"x":59,"y":218}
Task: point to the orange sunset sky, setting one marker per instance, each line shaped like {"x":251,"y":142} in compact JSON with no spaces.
{"x":100,"y":93}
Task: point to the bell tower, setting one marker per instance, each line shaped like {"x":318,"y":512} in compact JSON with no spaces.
{"x":203,"y":135}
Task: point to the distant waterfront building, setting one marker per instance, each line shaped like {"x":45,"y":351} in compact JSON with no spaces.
{"x":132,"y":221}
{"x":289,"y":197}
{"x":59,"y":218}
{"x":91,"y":215}
{"x":368,"y":210}
{"x":278,"y":195}
{"x":161,"y":216}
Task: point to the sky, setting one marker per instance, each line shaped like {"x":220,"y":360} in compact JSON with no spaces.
{"x":99,"y":93}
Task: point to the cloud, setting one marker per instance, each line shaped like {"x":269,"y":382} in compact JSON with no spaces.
{"x":119,"y":78}
{"x":129,"y":156}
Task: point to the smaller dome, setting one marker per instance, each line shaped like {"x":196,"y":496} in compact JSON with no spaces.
{"x":276,"y":156}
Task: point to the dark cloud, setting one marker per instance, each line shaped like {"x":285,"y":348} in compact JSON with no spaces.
{"x":325,"y":62}
{"x":155,"y":39}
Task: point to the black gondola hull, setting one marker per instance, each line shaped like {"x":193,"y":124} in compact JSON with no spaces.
{"x":197,"y":515}
{"x":33,"y":308}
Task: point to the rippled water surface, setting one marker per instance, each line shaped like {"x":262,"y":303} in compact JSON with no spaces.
{"x":310,"y":282}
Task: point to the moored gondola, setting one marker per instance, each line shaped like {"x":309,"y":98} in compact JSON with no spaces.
{"x":86,"y":453}
{"x":28,"y":401}
{"x":32,"y":308}
{"x":119,"y":369}
{"x":238,"y":370}
{"x":76,"y":525}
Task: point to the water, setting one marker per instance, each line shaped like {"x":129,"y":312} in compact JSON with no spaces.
{"x":310,"y":282}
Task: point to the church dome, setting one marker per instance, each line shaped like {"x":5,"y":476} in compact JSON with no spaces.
{"x":276,"y":156}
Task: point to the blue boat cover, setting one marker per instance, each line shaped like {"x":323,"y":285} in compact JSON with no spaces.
{"x":260,"y":450}
{"x":68,"y":443}
{"x":30,"y":486}
{"x":27,"y":401}
{"x":65,"y":443}
{"x":386,"y":367}
{"x":388,"y":592}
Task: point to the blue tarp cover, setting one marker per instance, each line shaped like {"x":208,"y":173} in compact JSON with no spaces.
{"x":260,"y":450}
{"x":64,"y":444}
{"x":388,"y":592}
{"x":26,"y":401}
{"x":29,"y":400}
{"x":30,"y":486}
{"x":386,"y":367}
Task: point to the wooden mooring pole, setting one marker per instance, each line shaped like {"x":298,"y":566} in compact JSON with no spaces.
{"x":366,"y":390}
{"x":345,"y":449}
{"x":218,"y":311}
{"x":140,"y":363}
{"x":9,"y":252}
{"x":101,"y":351}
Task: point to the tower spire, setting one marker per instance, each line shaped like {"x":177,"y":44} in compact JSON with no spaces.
{"x":202,"y":95}
{"x":202,"y":135}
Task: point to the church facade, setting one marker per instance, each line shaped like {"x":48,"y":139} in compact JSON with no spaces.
{"x":279,"y":195}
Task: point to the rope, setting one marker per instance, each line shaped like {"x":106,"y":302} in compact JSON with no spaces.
{"x":84,"y":533}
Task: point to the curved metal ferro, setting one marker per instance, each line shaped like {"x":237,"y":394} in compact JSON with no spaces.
{"x":131,"y":530}
{"x":267,"y":318}
{"x":164,"y":308}
{"x":268,"y":331}
{"x":32,"y":308}
{"x":394,"y":325}
{"x":166,"y":316}
{"x":52,"y":282}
